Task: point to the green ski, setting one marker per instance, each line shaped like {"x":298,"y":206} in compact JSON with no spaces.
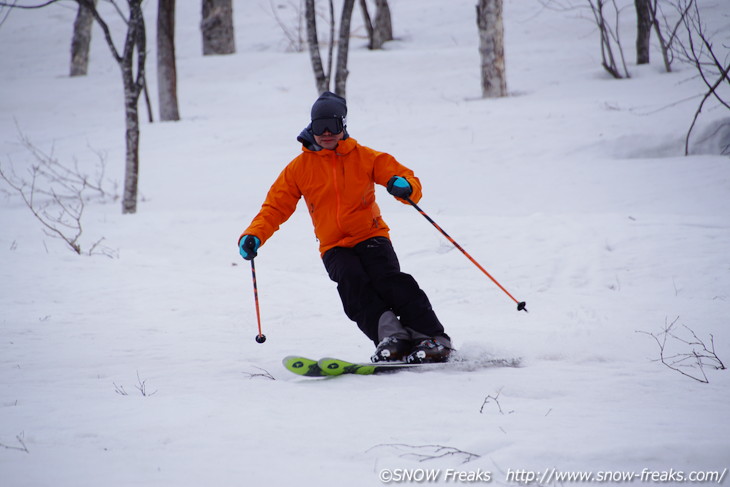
{"x":302,"y":366}
{"x":334,"y":366}
{"x":330,"y":367}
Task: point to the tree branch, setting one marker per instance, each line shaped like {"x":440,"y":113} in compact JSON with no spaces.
{"x":27,"y":7}
{"x":424,"y":453}
{"x":696,"y":358}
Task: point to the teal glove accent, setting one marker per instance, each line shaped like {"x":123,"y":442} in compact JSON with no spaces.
{"x":248,"y":246}
{"x":399,"y":187}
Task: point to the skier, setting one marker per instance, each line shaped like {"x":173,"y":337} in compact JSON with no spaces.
{"x":336,"y":176}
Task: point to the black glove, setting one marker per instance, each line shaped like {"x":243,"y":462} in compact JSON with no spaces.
{"x":399,"y":187}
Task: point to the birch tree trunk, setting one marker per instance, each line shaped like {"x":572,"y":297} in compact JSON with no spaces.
{"x":136,"y":41}
{"x":135,"y":47}
{"x":491,"y":48}
{"x":81,"y":41}
{"x":320,"y":79}
{"x":383,"y":26}
{"x":343,"y":47}
{"x":331,"y":49}
{"x":381,"y":30}
{"x":217,"y":27}
{"x":166,"y":69}
{"x":367,"y":21}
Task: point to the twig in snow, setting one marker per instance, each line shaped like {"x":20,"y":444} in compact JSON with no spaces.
{"x":495,"y":399}
{"x":22,"y":446}
{"x":423,"y":453}
{"x":689,"y":362}
{"x":142,"y":387}
{"x":264,"y":373}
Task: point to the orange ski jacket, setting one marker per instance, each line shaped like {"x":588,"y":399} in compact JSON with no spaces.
{"x":338,"y":187}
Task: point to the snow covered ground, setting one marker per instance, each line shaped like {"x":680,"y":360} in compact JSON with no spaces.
{"x":573,"y":192}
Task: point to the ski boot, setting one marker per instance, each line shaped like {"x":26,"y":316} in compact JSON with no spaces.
{"x":429,"y":351}
{"x":391,"y":349}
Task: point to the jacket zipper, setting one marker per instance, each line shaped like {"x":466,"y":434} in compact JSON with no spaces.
{"x":337,"y":194}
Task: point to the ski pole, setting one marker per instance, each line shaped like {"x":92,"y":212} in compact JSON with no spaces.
{"x":260,"y":338}
{"x":521,"y":305}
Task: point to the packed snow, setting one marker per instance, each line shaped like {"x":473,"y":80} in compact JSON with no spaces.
{"x":137,"y":365}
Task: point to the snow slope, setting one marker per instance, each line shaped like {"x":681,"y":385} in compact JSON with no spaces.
{"x":573,"y":192}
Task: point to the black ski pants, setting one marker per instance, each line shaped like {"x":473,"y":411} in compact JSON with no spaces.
{"x":370,"y":282}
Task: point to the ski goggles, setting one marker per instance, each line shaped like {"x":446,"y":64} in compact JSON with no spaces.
{"x":332,"y":125}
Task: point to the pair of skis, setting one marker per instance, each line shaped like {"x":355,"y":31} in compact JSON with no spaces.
{"x":329,"y":367}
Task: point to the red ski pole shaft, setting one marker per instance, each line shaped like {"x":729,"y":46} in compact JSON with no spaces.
{"x":521,"y":305}
{"x":260,"y":338}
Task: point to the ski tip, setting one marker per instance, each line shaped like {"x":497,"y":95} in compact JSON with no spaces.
{"x":302,"y":366}
{"x":334,"y":366}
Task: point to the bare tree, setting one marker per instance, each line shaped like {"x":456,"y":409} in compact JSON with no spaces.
{"x":368,"y":22}
{"x":323,"y":79}
{"x":135,"y":49}
{"x":644,"y":23}
{"x":81,"y":41}
{"x":343,"y":48}
{"x":217,"y":27}
{"x":699,"y":51}
{"x":666,"y":31}
{"x":664,"y":43}
{"x":606,"y":13}
{"x":166,"y":68}
{"x":610,"y":37}
{"x":380,"y":31}
{"x":292,"y":31}
{"x":131,"y":60}
{"x":491,"y":48}
{"x":331,"y":48}
{"x":57,"y":193}
{"x":650,"y":16}
{"x":608,"y":29}
{"x":383,"y":28}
